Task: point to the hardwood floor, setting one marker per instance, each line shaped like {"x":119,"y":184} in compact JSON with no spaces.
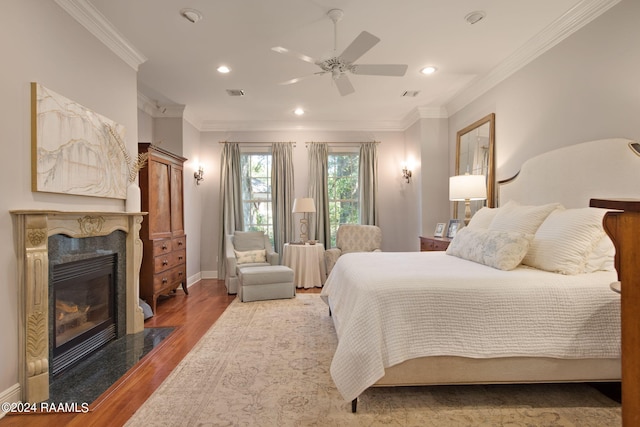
{"x":192,"y":316}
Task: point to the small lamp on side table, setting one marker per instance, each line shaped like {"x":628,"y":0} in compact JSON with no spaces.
{"x":466,"y":188}
{"x":303,"y":206}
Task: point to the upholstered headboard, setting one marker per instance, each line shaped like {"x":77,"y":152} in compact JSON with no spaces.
{"x":607,"y":168}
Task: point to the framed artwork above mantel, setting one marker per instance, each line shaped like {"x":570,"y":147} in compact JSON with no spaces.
{"x":75,"y":150}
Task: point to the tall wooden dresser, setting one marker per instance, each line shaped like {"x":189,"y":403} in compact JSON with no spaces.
{"x":164,"y":261}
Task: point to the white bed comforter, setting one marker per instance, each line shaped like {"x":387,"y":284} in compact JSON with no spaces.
{"x":389,"y":307}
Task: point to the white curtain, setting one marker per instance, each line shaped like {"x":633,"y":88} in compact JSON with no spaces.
{"x":230,"y":199}
{"x":282,"y":194}
{"x":368,"y":183}
{"x":319,"y":226}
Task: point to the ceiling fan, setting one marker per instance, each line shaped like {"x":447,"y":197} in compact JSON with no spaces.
{"x":339,"y":65}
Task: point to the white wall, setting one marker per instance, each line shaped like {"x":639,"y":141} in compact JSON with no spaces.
{"x":145,"y":127}
{"x":193,"y":195}
{"x":435,"y":204}
{"x":41,"y":43}
{"x":585,"y":88}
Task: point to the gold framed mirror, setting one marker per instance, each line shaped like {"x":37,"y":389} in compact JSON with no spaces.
{"x":475,"y":155}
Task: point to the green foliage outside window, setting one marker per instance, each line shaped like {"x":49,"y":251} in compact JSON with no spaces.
{"x":343,"y":189}
{"x":256,"y":192}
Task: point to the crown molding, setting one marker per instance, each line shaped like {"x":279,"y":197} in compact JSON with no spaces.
{"x":423,"y":113}
{"x":90,"y":18}
{"x":328,"y":125}
{"x":574,"y":19}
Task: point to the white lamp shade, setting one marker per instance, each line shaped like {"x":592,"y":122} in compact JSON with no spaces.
{"x":467,"y":187}
{"x":304,"y":205}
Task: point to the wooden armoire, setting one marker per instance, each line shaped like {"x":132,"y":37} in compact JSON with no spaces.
{"x":164,"y":261}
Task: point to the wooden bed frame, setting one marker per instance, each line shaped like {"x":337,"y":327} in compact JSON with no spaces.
{"x":572,"y":176}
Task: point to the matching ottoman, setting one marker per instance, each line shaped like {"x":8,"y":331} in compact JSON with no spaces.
{"x":265,"y":282}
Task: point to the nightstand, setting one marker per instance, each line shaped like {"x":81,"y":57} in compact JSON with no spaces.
{"x":307,"y":263}
{"x":434,"y":243}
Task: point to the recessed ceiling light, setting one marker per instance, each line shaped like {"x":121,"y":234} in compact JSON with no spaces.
{"x":475,"y":17}
{"x":298,"y":111}
{"x":429,"y":70}
{"x":223,"y":69}
{"x":191,"y":15}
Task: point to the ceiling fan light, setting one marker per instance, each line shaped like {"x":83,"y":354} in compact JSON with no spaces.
{"x":298,"y":111}
{"x":223,"y":69}
{"x":429,"y":70}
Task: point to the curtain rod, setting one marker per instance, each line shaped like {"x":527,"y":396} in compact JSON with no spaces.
{"x":341,"y":144}
{"x":261,"y":144}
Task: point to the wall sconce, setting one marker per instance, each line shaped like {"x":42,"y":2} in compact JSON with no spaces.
{"x":406,"y":173}
{"x":199,"y":176}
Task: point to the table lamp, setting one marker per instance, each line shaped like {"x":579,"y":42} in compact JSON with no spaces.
{"x":303,"y":206}
{"x":466,"y":188}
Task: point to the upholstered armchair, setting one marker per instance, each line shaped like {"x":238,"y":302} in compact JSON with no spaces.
{"x":353,"y":238}
{"x":246,"y":249}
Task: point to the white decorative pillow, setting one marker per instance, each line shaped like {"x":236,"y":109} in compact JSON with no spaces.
{"x":250,"y":257}
{"x":483,"y":218}
{"x":521,"y":218}
{"x":602,"y":258}
{"x":503,"y":250}
{"x":566,"y":239}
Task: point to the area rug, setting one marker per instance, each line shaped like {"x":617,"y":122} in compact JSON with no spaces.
{"x":267,"y":364}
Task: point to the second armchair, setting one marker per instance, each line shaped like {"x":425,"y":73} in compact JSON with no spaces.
{"x":354,"y":238}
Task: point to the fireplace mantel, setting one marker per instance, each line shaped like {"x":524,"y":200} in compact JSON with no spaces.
{"x":32,"y":229}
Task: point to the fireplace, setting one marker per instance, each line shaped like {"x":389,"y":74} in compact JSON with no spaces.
{"x":84,"y":309}
{"x":40,"y":238}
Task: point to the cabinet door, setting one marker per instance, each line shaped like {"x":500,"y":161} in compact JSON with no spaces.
{"x":159,"y":199}
{"x":177,"y":208}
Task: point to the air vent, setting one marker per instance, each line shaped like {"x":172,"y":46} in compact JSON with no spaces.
{"x":411,"y":93}
{"x":235,"y":92}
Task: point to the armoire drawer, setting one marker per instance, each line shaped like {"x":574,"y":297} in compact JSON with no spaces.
{"x":170,"y":278}
{"x":163,"y":246}
{"x":166,"y":261}
{"x":179,"y":243}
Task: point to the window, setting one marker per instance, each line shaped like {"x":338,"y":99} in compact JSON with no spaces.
{"x":344,"y":206}
{"x":256,"y":192}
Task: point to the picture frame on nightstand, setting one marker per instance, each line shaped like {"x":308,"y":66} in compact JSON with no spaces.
{"x":453,"y":227}
{"x":440,"y":227}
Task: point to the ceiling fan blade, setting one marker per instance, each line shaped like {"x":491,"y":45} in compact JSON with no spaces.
{"x":380,"y":69}
{"x":344,"y":85}
{"x":295,"y":54}
{"x":297,"y":79}
{"x":359,"y":47}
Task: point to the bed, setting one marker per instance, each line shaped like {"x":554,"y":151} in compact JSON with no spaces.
{"x":479,"y":315}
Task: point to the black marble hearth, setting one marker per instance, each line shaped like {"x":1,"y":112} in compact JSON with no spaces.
{"x":86,"y":381}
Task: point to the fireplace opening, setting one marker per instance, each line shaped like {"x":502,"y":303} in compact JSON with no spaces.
{"x":84,"y":308}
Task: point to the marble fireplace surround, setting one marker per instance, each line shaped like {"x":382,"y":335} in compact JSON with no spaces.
{"x":32,"y":228}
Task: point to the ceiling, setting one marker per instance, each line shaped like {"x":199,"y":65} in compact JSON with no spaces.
{"x":182,"y":57}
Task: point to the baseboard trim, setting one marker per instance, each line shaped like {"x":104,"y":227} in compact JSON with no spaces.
{"x":10,"y":395}
{"x":210,"y":274}
{"x":194,"y":279}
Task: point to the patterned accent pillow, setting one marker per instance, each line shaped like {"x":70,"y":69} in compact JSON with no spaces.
{"x":503,"y":250}
{"x":251,"y":257}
